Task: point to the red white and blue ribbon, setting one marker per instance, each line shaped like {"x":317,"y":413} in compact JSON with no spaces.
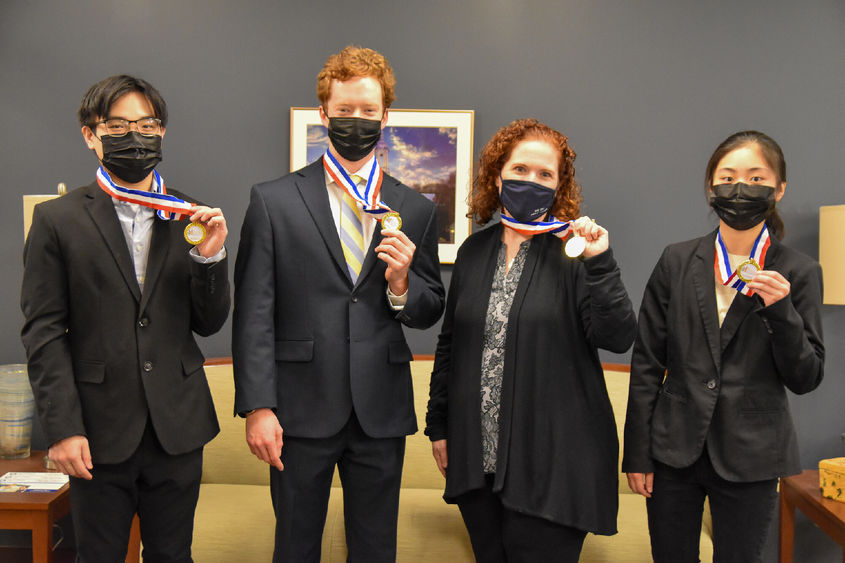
{"x":722,"y":264}
{"x":167,"y":207}
{"x":555,"y":227}
{"x":367,"y":195}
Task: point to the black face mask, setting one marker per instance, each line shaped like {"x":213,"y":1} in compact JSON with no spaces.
{"x":131,"y":157}
{"x":354,"y":137}
{"x":742,"y":206}
{"x":526,"y":201}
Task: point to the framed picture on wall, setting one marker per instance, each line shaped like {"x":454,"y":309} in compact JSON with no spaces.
{"x":428,"y":150}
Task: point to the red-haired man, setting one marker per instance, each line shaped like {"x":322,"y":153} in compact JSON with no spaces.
{"x":322,"y":292}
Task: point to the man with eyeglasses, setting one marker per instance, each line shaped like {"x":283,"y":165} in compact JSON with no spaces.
{"x":114,"y":289}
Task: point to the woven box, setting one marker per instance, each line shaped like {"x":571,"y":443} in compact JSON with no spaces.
{"x":832,"y":478}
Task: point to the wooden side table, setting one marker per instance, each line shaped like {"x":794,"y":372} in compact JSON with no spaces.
{"x":38,"y":512}
{"x":802,"y":492}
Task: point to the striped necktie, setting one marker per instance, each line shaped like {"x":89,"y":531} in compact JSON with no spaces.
{"x":352,"y":234}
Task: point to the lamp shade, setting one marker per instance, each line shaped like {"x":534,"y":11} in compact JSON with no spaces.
{"x":29,"y":203}
{"x":832,"y":252}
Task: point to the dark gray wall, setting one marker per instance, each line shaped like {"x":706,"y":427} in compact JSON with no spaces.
{"x":645,"y":90}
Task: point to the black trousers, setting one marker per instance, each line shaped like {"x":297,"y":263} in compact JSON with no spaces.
{"x":163,"y":490}
{"x":741,"y":514}
{"x":370,"y":472}
{"x":499,"y":534}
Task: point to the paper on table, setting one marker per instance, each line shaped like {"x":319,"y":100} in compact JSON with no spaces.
{"x":32,"y":481}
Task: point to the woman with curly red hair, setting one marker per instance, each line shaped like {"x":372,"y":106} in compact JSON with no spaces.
{"x":519,"y":417}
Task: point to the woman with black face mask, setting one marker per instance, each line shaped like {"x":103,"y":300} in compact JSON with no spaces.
{"x":519,"y":416}
{"x":728,"y":322}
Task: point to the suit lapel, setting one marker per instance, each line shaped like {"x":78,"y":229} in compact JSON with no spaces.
{"x":312,"y":188}
{"x":159,"y":249}
{"x":739,"y":309}
{"x":704,"y":280}
{"x":101,"y":209}
{"x":393,"y":197}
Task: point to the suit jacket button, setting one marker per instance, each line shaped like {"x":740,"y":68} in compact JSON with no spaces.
{"x":711,"y":384}
{"x":148,"y":366}
{"x":143,"y":322}
{"x":354,"y":299}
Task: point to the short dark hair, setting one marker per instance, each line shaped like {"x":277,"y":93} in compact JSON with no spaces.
{"x":773,"y":154}
{"x":99,"y":98}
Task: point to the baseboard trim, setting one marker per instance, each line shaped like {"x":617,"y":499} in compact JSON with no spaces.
{"x":223,"y":360}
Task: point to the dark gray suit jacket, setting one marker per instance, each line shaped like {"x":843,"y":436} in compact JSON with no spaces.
{"x":308,"y":343}
{"x":724,"y":387}
{"x":102,"y":356}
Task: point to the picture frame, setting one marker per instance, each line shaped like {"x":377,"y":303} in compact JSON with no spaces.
{"x":430,"y":151}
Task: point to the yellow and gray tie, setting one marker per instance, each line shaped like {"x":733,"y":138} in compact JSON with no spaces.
{"x":352,"y":234}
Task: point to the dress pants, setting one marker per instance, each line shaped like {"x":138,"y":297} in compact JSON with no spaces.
{"x":370,"y":471}
{"x":162,"y":488}
{"x":741,"y":514}
{"x":499,"y":534}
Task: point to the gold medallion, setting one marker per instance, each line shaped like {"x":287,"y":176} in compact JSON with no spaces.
{"x":747,"y":270}
{"x":391,"y":221}
{"x":195,"y":233}
{"x":575,"y":246}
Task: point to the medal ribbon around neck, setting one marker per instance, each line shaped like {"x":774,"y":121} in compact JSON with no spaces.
{"x":367,"y":195}
{"x":167,"y":207}
{"x":722,"y":264}
{"x":555,"y":227}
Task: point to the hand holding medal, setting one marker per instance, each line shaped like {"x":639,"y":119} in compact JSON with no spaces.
{"x":397,"y":251}
{"x":750,"y":277}
{"x":207,"y":230}
{"x":770,"y":285}
{"x":588,"y":238}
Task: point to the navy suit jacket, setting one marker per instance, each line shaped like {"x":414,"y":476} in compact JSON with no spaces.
{"x":306,"y":341}
{"x":694,"y":383}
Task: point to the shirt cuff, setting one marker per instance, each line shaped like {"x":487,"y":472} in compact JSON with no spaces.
{"x":397,"y":302}
{"x":199,"y":259}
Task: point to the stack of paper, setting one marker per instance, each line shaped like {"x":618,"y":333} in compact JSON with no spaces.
{"x":14,"y":482}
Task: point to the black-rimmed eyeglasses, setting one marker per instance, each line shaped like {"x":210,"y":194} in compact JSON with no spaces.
{"x":118,"y":126}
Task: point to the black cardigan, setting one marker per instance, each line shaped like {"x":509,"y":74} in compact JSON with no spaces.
{"x":724,"y":386}
{"x":558,"y":450}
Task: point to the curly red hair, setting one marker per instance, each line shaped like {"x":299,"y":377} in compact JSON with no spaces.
{"x":353,"y":62}
{"x":485,"y":194}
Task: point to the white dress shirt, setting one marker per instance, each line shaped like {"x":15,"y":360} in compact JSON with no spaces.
{"x":725,"y":294}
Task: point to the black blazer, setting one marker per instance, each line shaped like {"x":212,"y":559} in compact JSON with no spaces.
{"x":308,"y":343}
{"x":723,"y":388}
{"x":558,"y":450}
{"x":104,"y":357}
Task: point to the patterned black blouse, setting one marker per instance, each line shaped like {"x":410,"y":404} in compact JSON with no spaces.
{"x":493,"y":355}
